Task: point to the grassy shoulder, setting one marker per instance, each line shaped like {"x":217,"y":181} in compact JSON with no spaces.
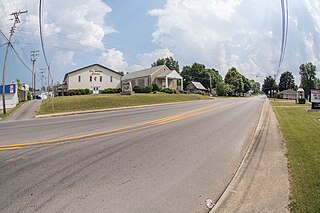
{"x":301,"y":132}
{"x":95,"y":102}
{"x":10,"y":111}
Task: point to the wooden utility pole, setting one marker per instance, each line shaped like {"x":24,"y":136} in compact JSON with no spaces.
{"x":42,"y":77}
{"x":33,"y":57}
{"x":16,"y":20}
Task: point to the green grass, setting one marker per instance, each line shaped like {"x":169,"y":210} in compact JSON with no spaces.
{"x":283,"y":102}
{"x":94,"y":102}
{"x":10,"y":111}
{"x":301,"y":130}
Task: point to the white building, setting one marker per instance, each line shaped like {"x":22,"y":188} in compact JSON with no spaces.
{"x":94,"y":77}
{"x":11,"y":96}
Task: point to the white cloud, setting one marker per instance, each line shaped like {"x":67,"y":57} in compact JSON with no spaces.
{"x":229,"y":33}
{"x":146,"y":59}
{"x":62,"y":59}
{"x":113,"y":59}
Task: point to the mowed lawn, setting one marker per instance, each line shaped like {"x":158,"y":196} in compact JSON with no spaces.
{"x":301,"y":130}
{"x":106,"y":101}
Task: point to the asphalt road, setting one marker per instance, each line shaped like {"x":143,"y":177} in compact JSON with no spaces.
{"x":157,"y":159}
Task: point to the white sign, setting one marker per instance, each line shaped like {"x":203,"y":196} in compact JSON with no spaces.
{"x":315,"y":96}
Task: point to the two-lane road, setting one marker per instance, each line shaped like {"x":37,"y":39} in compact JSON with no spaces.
{"x":167,"y":158}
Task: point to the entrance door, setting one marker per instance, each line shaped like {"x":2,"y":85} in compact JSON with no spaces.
{"x":95,"y":90}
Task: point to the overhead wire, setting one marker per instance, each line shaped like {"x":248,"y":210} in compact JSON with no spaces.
{"x":284,"y":34}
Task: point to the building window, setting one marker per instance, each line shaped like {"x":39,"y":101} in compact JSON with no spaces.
{"x":100,"y":78}
{"x":79,"y":78}
{"x":110,"y":78}
{"x":90,"y":78}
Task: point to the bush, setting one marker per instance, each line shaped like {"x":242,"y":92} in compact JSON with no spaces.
{"x":169,"y":91}
{"x":183,"y":92}
{"x":148,"y":89}
{"x":72,"y":92}
{"x":301,"y":100}
{"x":155,"y":87}
{"x":199,"y":92}
{"x":107,"y":91}
{"x":111,"y":90}
{"x":137,"y":89}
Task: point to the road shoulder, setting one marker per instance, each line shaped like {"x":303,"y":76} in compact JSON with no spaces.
{"x":261,"y":183}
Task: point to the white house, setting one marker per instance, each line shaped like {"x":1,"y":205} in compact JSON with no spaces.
{"x":94,"y":77}
{"x":160,"y":75}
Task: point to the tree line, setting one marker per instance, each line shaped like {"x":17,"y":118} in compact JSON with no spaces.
{"x":233,"y":84}
{"x":308,"y":80}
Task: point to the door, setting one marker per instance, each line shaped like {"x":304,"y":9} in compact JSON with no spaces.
{"x":95,"y":90}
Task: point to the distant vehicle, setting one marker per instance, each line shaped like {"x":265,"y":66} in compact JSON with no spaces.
{"x":38,"y":97}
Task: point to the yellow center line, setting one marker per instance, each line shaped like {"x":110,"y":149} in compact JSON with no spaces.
{"x":140,"y":126}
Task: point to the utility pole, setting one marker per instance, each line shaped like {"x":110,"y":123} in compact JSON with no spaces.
{"x":42,"y":71}
{"x":48,"y":86}
{"x":33,"y":57}
{"x":210,"y":90}
{"x":16,"y":20}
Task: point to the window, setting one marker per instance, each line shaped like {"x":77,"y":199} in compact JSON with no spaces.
{"x":100,"y":78}
{"x":79,"y":78}
{"x":110,"y":78}
{"x":90,"y":78}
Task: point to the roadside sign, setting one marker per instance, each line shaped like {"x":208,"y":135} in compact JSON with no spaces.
{"x":315,"y":96}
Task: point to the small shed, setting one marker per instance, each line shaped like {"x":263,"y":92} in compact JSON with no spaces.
{"x":194,"y":87}
{"x":300,"y":94}
{"x":289,"y":94}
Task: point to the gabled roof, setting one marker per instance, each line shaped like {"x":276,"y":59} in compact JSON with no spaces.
{"x":289,"y":91}
{"x":65,"y":76}
{"x":170,"y":74}
{"x":198,"y":85}
{"x":142,"y":73}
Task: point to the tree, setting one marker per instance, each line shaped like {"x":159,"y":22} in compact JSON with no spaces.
{"x":255,"y":87}
{"x":286,"y":81}
{"x":224,"y":89}
{"x":199,"y":72}
{"x":168,"y":61}
{"x":317,"y":83}
{"x":241,"y":84}
{"x":18,"y":88}
{"x":269,"y":84}
{"x":308,"y":77}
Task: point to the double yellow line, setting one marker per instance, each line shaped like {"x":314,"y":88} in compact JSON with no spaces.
{"x":145,"y":125}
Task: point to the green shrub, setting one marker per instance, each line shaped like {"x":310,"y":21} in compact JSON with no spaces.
{"x":155,"y":87}
{"x":72,"y":92}
{"x":137,"y":89}
{"x":183,"y":92}
{"x":148,"y":89}
{"x":167,"y":90}
{"x":200,"y":92}
{"x":111,"y":90}
{"x":301,"y":100}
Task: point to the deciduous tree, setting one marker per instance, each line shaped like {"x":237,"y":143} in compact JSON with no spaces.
{"x":286,"y":81}
{"x":168,"y":61}
{"x":308,"y":77}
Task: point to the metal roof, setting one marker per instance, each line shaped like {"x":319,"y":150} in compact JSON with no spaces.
{"x":142,"y":73}
{"x":198,"y":85}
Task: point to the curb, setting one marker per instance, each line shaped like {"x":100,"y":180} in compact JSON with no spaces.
{"x":112,"y":109}
{"x":227,"y":191}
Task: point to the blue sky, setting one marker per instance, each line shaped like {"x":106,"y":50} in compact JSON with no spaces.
{"x":129,"y":35}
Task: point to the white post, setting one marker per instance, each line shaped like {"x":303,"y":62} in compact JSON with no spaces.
{"x":181,"y":83}
{"x":166,"y":82}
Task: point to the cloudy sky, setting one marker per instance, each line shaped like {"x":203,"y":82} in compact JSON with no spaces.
{"x":128,"y":35}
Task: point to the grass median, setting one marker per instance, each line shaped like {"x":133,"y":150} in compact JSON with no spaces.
{"x":96,"y":102}
{"x":301,"y":130}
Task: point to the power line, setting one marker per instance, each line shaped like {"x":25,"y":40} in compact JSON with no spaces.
{"x":284,"y":37}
